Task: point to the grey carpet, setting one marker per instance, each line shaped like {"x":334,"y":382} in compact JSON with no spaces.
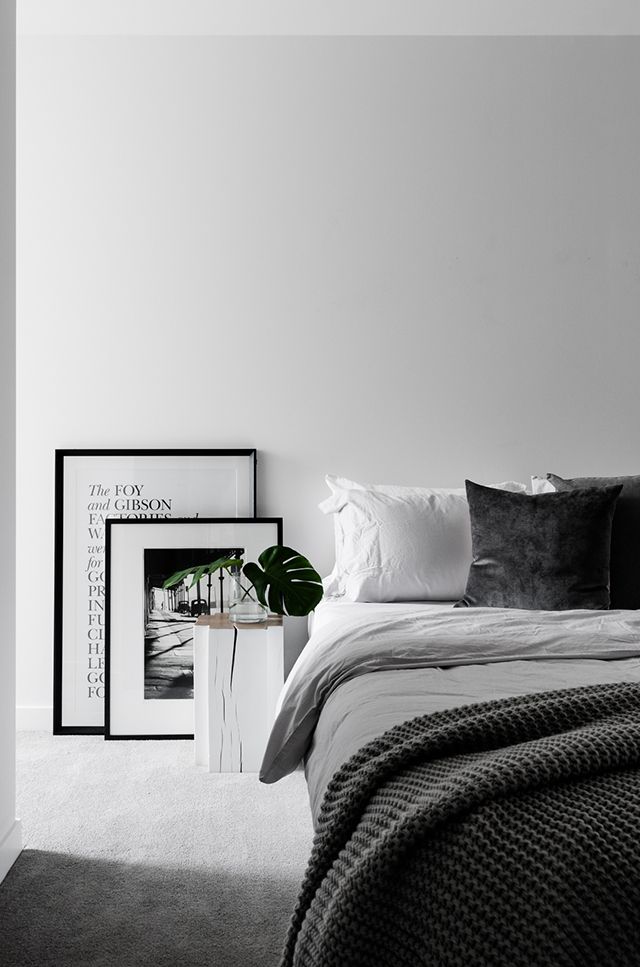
{"x":134,"y":857}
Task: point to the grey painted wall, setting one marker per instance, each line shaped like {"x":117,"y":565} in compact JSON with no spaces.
{"x":400,"y":259}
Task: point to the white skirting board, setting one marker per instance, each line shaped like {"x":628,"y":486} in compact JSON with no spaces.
{"x":10,"y":848}
{"x":34,"y":718}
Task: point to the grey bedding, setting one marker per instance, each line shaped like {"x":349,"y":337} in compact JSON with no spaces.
{"x":367,"y":668}
{"x":502,"y":834}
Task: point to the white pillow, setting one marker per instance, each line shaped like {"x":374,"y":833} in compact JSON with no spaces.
{"x":540,"y":485}
{"x":399,"y":543}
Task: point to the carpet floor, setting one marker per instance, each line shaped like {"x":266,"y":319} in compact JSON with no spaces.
{"x":133,"y":857}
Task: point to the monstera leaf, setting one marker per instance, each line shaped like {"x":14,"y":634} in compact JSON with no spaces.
{"x":285,"y":581}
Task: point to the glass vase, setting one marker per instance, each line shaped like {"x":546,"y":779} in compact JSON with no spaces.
{"x":244,"y":607}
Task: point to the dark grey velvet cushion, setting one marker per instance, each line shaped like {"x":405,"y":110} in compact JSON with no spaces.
{"x":547,"y":552}
{"x":625,"y":534}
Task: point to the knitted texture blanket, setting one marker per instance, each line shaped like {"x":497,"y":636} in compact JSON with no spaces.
{"x":504,"y":834}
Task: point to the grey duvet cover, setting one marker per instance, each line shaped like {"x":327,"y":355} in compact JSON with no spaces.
{"x":368,"y":668}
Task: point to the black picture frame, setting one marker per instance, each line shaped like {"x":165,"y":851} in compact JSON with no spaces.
{"x":169,"y":526}
{"x":136,"y":460}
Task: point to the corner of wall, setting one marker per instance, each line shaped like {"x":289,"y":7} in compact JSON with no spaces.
{"x":10,"y":848}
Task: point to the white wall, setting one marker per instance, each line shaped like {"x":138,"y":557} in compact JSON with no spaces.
{"x":399,"y":259}
{"x":10,"y":838}
{"x":330,"y":17}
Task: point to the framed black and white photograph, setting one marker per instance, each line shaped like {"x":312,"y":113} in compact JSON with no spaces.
{"x":91,"y":488}
{"x":170,"y":614}
{"x":150,"y":617}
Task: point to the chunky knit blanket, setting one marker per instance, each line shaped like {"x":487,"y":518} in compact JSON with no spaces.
{"x":504,"y":834}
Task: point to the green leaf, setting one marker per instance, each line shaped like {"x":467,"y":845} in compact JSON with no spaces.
{"x":285,"y":581}
{"x":225,"y":562}
{"x":197,"y":575}
{"x":216,"y":565}
{"x":177,"y":578}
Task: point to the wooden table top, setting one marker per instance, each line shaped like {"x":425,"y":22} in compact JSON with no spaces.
{"x":222,"y":621}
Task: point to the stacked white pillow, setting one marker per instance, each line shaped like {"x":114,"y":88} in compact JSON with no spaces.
{"x":400,"y":543}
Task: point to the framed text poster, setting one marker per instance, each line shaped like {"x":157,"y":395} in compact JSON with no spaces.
{"x":93,"y":486}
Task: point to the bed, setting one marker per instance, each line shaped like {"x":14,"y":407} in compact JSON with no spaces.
{"x":371,"y":670}
{"x":371,"y":667}
{"x":368,"y":667}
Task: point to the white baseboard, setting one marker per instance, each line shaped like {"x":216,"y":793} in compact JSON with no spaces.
{"x":34,"y":718}
{"x":10,"y":848}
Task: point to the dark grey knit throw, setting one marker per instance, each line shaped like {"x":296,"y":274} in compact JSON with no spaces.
{"x":504,"y":834}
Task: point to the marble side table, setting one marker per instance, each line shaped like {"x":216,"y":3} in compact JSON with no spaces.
{"x":237,"y":675}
